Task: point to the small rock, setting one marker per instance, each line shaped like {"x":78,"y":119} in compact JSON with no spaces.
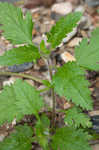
{"x":95,"y":123}
{"x":55,"y":16}
{"x":97,"y":82}
{"x":34,"y":3}
{"x":37,"y":40}
{"x":45,"y":27}
{"x":20,"y":68}
{"x":2,"y":38}
{"x":34,"y":32}
{"x":48,"y":3}
{"x":67,"y":105}
{"x":91,"y":89}
{"x":41,"y":62}
{"x":80,"y":8}
{"x":74,"y":42}
{"x":85,"y":22}
{"x":10,"y":81}
{"x":62,"y":8}
{"x":84,"y":34}
{"x":92,"y":3}
{"x":95,"y":118}
{"x":7,"y":42}
{"x":74,"y":2}
{"x":35,"y":10}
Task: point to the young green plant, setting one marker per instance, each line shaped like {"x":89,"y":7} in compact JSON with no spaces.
{"x":21,"y":99}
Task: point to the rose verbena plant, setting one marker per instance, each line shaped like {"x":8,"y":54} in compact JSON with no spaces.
{"x":68,"y":81}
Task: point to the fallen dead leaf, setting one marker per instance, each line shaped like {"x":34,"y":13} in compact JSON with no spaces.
{"x":66,"y":56}
{"x":74,"y":42}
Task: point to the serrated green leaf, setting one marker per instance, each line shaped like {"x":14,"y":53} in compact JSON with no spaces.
{"x":18,"y":100}
{"x":75,"y":117}
{"x":47,"y":83}
{"x":16,"y":28}
{"x":44,"y":50}
{"x":20,"y":55}
{"x":70,"y":139}
{"x":69,"y":81}
{"x":87,"y":53}
{"x":98,"y":11}
{"x":64,"y":26}
{"x":42,"y":132}
{"x":20,"y":139}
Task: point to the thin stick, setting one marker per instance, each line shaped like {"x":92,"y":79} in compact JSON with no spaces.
{"x":21,"y":75}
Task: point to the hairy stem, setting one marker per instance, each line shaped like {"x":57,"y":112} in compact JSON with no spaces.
{"x":52,"y":93}
{"x":21,"y":75}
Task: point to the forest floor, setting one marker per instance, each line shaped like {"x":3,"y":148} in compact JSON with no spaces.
{"x":45,"y":18}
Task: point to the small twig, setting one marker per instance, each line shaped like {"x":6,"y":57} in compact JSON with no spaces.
{"x":21,"y":75}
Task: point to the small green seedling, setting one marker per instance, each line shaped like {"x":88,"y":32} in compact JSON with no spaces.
{"x":68,"y":81}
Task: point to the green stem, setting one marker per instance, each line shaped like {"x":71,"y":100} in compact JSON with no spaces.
{"x":22,"y":75}
{"x":44,"y":90}
{"x":52,"y":93}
